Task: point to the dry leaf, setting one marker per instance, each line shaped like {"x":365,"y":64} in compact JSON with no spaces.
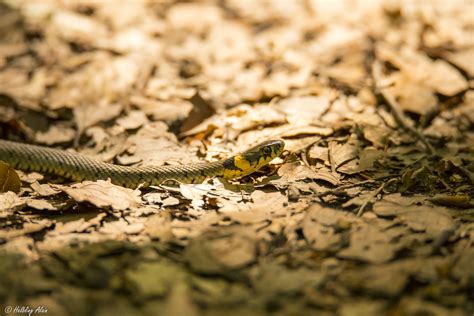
{"x":9,"y":179}
{"x":28,"y":228}
{"x":304,"y":110}
{"x":133,"y":120}
{"x":320,"y":228}
{"x":10,"y":202}
{"x":218,"y":254}
{"x":40,"y":205}
{"x":103,"y":194}
{"x":43,"y":189}
{"x":445,"y":79}
{"x":463,"y":59}
{"x":412,"y":95}
{"x":368,"y":243}
{"x":434,"y":221}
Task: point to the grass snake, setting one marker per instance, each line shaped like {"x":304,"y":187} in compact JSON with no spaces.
{"x":78,"y":167}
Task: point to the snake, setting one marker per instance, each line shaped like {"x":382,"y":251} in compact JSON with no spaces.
{"x":78,"y":167}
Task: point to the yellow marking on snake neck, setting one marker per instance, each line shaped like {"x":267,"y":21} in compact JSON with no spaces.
{"x":240,"y":163}
{"x":245,"y":166}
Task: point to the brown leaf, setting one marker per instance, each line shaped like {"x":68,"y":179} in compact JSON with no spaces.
{"x":43,"y":189}
{"x":133,"y":120}
{"x":412,"y":95}
{"x":295,"y":171}
{"x":154,"y":145}
{"x":304,"y":110}
{"x":387,"y":280}
{"x":159,"y":227}
{"x":24,"y":245}
{"x":169,"y":111}
{"x":369,"y":243}
{"x":445,"y":79}
{"x":121,"y":227}
{"x":9,"y":179}
{"x":462,"y":269}
{"x":89,"y":115}
{"x":343,"y":157}
{"x":10,"y":202}
{"x":221,"y":253}
{"x":40,"y":205}
{"x":434,"y":221}
{"x":103,"y":194}
{"x":77,"y":27}
{"x":28,"y":228}
{"x":56,"y":134}
{"x":320,"y":228}
{"x":463,"y":59}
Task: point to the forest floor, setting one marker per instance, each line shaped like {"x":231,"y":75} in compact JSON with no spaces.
{"x":369,"y":211}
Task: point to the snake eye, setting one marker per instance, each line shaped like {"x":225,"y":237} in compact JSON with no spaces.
{"x":266,"y":151}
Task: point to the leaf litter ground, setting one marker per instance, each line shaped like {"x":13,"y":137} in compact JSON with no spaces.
{"x":368,"y":212}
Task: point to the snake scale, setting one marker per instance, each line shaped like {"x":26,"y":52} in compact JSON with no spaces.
{"x":78,"y":167}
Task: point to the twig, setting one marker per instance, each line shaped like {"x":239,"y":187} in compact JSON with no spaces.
{"x":369,"y":199}
{"x":340,"y":189}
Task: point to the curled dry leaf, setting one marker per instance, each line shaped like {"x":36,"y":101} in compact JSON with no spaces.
{"x":41,"y":205}
{"x":44,"y":189}
{"x":9,"y":179}
{"x":319,"y":153}
{"x":10,"y":202}
{"x":214,"y":194}
{"x":103,"y":194}
{"x":295,"y":171}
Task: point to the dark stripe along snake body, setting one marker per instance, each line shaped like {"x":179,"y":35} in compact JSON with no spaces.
{"x":78,"y":167}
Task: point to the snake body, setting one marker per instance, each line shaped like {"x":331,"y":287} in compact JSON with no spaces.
{"x":78,"y":167}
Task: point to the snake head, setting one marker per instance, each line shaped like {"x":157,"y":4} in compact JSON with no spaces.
{"x":253,"y":159}
{"x":264,"y":152}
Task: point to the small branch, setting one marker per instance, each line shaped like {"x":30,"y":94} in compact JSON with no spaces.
{"x":370,"y":199}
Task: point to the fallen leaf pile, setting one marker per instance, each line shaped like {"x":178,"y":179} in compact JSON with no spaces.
{"x":369,"y":211}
